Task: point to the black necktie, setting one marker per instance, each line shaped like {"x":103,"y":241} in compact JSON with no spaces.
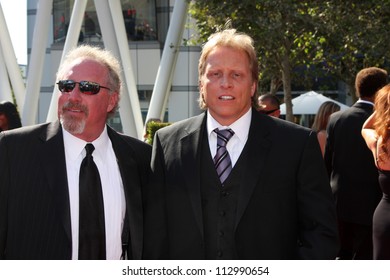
{"x":222,"y":161}
{"x":92,"y":237}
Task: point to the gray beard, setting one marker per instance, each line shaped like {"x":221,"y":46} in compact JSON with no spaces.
{"x":73,"y":125}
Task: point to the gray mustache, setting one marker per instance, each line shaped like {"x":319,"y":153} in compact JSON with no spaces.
{"x":76,"y":106}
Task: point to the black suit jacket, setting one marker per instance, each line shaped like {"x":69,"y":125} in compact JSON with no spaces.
{"x":351,"y":167}
{"x":285,"y":208}
{"x":34,"y":198}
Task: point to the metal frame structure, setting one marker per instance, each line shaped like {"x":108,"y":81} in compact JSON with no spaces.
{"x":114,"y":36}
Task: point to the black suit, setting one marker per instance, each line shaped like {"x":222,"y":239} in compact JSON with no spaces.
{"x":34,"y":199}
{"x":354,"y":180}
{"x":281,"y":194}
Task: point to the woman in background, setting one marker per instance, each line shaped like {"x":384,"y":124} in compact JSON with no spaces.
{"x":321,"y":121}
{"x":376,"y":133}
{"x":9,"y":116}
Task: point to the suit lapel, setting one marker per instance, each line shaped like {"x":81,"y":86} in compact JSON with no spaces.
{"x":253,"y":159}
{"x":191,"y":145}
{"x":132,"y":189}
{"x":54,"y":164}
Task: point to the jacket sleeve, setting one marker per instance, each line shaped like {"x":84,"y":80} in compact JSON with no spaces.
{"x":155,"y":239}
{"x":4,"y":183}
{"x":318,"y":234}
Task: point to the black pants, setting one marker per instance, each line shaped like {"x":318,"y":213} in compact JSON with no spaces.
{"x":355,"y":241}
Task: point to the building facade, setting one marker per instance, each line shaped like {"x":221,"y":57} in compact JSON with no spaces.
{"x":146,"y":24}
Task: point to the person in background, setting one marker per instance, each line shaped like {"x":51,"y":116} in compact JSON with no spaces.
{"x":352,"y":172}
{"x":375,"y":132}
{"x":321,"y":121}
{"x":269,"y":104}
{"x":9,"y":116}
{"x":47,"y":206}
{"x":226,"y":184}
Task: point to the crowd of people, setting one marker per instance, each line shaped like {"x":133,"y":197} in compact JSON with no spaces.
{"x":376,"y":135}
{"x":235,"y":182}
{"x":353,"y":175}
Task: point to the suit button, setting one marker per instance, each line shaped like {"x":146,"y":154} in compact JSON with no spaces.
{"x":221,"y":233}
{"x":222,"y":213}
{"x":224,"y":193}
{"x":219,"y":254}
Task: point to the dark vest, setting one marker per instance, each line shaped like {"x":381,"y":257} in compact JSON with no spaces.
{"x":219,"y":204}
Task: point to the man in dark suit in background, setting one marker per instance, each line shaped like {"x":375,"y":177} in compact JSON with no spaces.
{"x":39,"y":172}
{"x":276,"y":202}
{"x":353,"y":175}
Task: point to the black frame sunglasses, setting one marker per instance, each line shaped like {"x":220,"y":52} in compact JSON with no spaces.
{"x":270,"y":111}
{"x":85,"y":87}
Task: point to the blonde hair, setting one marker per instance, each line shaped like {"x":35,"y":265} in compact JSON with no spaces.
{"x":322,"y":117}
{"x":235,"y":40}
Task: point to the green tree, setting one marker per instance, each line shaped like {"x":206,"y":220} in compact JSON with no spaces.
{"x":356,"y":36}
{"x":340,"y":37}
{"x":284,"y":32}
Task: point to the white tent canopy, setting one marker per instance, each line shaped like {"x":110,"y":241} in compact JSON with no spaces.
{"x":309,"y":103}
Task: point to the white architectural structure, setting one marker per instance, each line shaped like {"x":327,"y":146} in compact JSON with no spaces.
{"x":139,"y":32}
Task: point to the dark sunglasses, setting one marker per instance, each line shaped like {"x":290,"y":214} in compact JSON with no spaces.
{"x":270,"y":111}
{"x":84,"y":86}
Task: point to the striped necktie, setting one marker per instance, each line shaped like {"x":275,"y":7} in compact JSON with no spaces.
{"x":222,"y":161}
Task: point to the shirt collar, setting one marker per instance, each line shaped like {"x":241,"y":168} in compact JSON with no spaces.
{"x":75,"y":146}
{"x":365,"y":101}
{"x":240,"y":126}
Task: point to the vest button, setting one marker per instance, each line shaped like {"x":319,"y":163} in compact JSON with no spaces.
{"x":222,"y":213}
{"x":221,"y":233}
{"x":224,"y":193}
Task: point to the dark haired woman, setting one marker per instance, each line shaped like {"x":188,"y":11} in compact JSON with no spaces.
{"x":9,"y":116}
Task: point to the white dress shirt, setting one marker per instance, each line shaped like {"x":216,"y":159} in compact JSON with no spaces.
{"x":237,"y":142}
{"x":112,"y":188}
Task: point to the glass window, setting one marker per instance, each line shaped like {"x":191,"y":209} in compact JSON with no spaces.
{"x":139,"y":17}
{"x":61,"y":15}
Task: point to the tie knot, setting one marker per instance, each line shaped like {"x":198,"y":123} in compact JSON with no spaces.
{"x":89,"y":148}
{"x":223,"y":136}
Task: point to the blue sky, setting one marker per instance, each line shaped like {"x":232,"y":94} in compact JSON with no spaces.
{"x":15,"y":13}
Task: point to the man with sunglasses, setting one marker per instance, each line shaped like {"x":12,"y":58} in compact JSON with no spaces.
{"x":42,"y":208}
{"x":269,"y":104}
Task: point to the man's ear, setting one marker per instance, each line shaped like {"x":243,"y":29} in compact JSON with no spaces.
{"x":113,"y":101}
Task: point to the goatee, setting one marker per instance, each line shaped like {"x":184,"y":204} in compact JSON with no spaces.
{"x":73,"y":124}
